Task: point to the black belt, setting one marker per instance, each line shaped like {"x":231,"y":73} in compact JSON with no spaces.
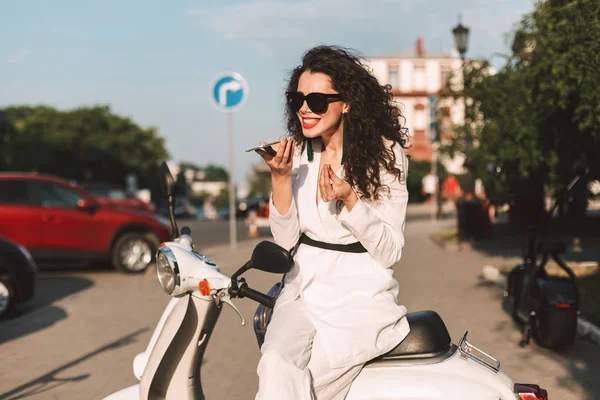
{"x":346,"y":248}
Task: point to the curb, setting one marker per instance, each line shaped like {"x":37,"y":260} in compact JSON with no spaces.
{"x":587,"y":329}
{"x":584,"y":327}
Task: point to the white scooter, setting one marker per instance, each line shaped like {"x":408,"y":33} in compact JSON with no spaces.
{"x":425,"y":365}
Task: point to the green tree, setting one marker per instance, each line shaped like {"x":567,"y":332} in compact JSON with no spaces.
{"x":83,"y":143}
{"x":190,"y":165}
{"x":563,"y":72}
{"x":215,"y":173}
{"x":510,"y":139}
{"x":260,"y":185}
{"x":212,"y":173}
{"x":541,"y":112}
{"x":222,"y":200}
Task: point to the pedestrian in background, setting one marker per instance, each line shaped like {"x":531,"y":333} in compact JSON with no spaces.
{"x":429,"y":187}
{"x":451,"y":190}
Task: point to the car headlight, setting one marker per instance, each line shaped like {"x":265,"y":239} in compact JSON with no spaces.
{"x":167,"y":270}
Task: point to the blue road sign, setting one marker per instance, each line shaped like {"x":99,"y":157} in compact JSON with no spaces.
{"x":229,"y":91}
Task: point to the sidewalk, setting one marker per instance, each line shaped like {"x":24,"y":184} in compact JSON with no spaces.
{"x":505,"y":249}
{"x":450,"y":283}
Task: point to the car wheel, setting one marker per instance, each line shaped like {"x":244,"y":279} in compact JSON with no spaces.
{"x":6,"y":297}
{"x":133,"y":252}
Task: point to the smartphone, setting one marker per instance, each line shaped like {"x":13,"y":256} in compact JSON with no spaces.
{"x":263,"y":147}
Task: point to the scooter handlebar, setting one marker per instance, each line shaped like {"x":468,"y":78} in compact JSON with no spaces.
{"x":255,"y":295}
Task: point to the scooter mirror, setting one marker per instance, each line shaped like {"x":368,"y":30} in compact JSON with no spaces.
{"x":167,"y":184}
{"x":166,"y":180}
{"x":269,"y":257}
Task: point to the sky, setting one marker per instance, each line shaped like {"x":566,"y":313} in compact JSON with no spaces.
{"x":155,"y":60}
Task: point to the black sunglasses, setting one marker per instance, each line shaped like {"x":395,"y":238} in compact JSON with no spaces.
{"x":317,"y":102}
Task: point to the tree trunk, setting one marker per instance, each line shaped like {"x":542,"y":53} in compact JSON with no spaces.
{"x":528,"y":207}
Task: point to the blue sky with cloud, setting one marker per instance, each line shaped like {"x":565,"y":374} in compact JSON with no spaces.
{"x":153,"y":60}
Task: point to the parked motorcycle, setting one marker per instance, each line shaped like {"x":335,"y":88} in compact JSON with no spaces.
{"x":425,"y":365}
{"x":547,"y":306}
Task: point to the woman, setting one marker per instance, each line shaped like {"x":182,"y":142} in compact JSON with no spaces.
{"x":339,"y":193}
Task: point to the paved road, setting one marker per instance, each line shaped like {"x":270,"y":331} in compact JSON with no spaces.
{"x":211,"y":233}
{"x":78,"y":338}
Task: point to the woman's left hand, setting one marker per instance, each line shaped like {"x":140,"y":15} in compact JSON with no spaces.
{"x":333,"y":188}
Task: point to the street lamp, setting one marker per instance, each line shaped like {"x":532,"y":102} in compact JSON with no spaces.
{"x":461,"y":36}
{"x":465,"y":217}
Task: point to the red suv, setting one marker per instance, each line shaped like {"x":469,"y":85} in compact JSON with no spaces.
{"x":60,"y":222}
{"x":115,"y":197}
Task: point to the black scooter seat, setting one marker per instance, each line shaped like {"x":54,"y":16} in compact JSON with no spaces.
{"x":428,"y":337}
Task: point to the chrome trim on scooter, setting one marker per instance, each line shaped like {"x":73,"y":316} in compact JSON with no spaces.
{"x":465,"y":348}
{"x":170,"y":255}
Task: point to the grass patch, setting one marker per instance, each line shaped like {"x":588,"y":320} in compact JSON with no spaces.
{"x":588,"y":282}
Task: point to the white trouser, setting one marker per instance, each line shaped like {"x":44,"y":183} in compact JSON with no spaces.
{"x":294,"y":366}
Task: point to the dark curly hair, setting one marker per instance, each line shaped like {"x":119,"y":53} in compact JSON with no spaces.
{"x":373,"y":116}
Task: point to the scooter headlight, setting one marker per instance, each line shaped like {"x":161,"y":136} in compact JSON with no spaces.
{"x":166,"y":269}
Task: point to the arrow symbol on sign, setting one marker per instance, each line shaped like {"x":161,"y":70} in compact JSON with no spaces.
{"x":232,"y":86}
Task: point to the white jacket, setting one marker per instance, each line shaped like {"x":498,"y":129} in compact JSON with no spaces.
{"x":351,"y":298}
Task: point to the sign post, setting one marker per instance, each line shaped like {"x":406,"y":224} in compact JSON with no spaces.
{"x":229,"y":92}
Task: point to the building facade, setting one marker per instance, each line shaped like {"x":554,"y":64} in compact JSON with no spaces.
{"x":416,"y":78}
{"x":196,"y":180}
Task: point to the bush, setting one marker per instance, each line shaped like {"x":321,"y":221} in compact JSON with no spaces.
{"x":416,"y":171}
{"x":222,"y":200}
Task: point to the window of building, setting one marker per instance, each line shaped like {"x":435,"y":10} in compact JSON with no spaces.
{"x":393,"y":77}
{"x":446,"y":75}
{"x":420,"y":119}
{"x":420,"y":79}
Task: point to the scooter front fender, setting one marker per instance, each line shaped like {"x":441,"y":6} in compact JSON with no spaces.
{"x":156,"y":350}
{"x":141,"y":360}
{"x":169,"y":324}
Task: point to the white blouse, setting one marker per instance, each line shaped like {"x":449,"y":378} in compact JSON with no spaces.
{"x":351,"y":298}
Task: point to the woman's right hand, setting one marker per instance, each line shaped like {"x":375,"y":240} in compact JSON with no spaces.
{"x":281,"y":161}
